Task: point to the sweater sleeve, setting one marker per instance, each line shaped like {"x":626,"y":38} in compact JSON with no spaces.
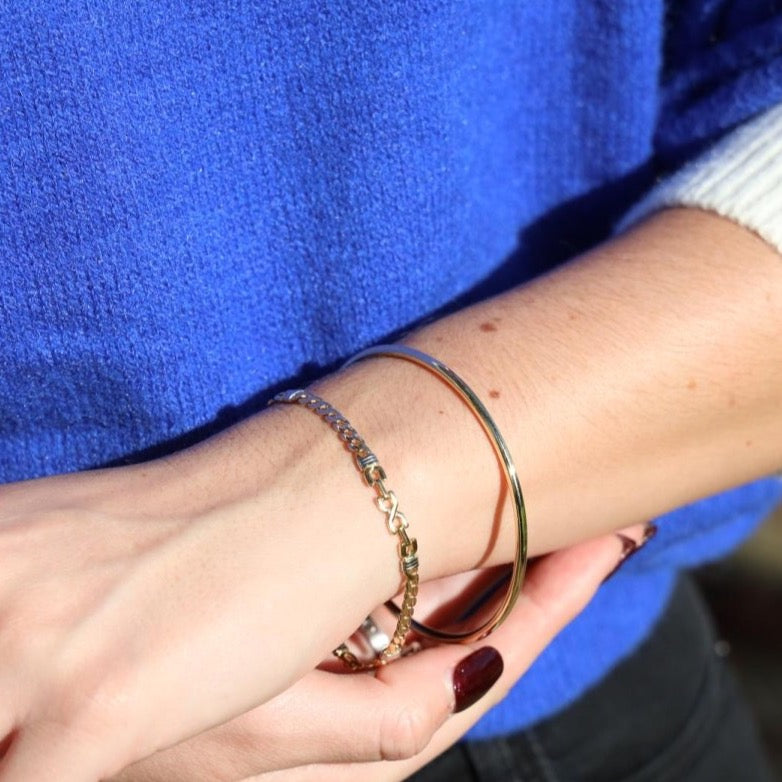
{"x":721,"y":66}
{"x":739,"y":178}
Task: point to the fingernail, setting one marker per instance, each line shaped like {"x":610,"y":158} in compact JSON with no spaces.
{"x":474,"y":676}
{"x":629,"y":546}
{"x":650,"y":530}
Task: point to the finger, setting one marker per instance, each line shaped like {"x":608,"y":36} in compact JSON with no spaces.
{"x":325,"y":717}
{"x":49,"y":751}
{"x":394,"y":715}
{"x":562,"y":583}
{"x":387,"y":717}
{"x":557,"y":588}
{"x":65,"y":744}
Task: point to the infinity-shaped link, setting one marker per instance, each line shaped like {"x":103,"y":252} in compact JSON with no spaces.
{"x":395,"y":519}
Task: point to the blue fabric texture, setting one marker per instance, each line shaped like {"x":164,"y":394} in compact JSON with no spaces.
{"x":195,"y":197}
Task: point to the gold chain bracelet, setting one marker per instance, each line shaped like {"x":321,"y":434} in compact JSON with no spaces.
{"x":502,"y":451}
{"x":396,"y":522}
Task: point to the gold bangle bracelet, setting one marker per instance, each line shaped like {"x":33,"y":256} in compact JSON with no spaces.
{"x":396,"y":524}
{"x":509,"y":469}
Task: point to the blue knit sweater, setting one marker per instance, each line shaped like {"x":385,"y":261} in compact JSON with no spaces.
{"x":194,"y":196}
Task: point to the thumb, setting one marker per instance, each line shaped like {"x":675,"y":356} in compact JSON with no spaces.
{"x":556,"y":589}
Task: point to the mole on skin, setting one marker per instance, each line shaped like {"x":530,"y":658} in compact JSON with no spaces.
{"x":488,"y":327}
{"x":494,"y":394}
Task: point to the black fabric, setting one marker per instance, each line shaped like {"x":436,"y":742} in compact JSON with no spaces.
{"x":669,"y":713}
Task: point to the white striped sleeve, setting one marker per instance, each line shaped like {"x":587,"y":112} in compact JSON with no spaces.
{"x":740,"y":178}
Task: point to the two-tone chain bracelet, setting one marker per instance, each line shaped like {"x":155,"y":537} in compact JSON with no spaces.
{"x":396,"y":523}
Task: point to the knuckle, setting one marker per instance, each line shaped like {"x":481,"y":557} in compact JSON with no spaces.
{"x":90,"y":713}
{"x":405,"y":732}
{"x":94,"y":696}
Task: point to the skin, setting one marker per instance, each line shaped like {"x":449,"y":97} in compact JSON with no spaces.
{"x":142,"y":606}
{"x":381,"y":729}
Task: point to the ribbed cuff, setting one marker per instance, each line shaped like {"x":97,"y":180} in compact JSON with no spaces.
{"x":739,"y":178}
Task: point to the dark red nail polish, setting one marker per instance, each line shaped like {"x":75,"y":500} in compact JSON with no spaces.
{"x":474,"y":676}
{"x":629,"y":546}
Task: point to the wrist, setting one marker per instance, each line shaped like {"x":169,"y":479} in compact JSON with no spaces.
{"x":418,"y":427}
{"x":290,"y":476}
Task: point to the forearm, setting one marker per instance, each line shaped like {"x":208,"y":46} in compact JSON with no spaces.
{"x":641,"y":376}
{"x":630,"y":381}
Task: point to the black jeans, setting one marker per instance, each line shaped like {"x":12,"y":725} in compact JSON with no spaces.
{"x":669,"y":713}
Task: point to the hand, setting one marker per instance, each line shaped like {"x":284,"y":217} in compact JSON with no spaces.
{"x":134,"y":617}
{"x":385,"y":727}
